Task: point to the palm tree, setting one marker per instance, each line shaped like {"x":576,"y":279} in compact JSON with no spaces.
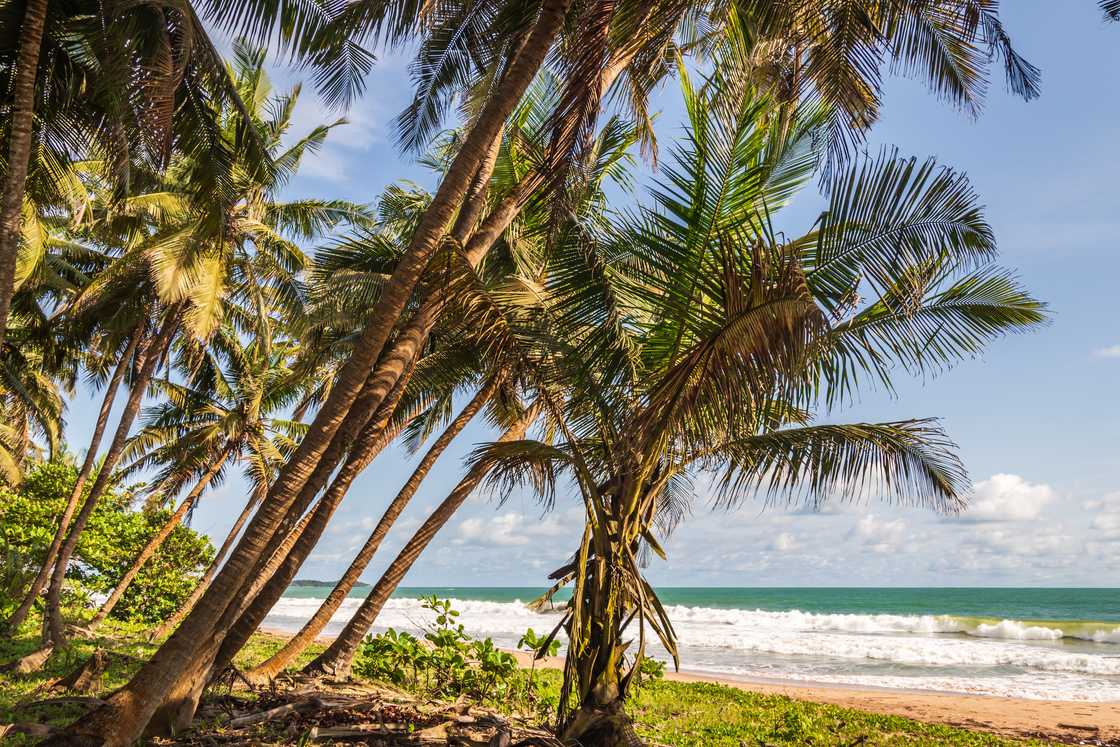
{"x":19,"y":148}
{"x":220,"y":606}
{"x":150,"y":354}
{"x":232,"y":414}
{"x":717,"y":340}
{"x":72,"y":65}
{"x":137,"y":82}
{"x":207,"y":258}
{"x":504,"y":308}
{"x":835,"y":54}
{"x":30,"y":402}
{"x":1111,"y":9}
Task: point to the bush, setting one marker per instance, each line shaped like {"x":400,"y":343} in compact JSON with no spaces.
{"x":650,"y":670}
{"x":106,"y":549}
{"x":448,"y":663}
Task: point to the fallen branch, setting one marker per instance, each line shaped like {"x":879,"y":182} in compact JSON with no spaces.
{"x":30,"y":663}
{"x":300,"y":706}
{"x":87,"y":676}
{"x":86,"y":700}
{"x":30,"y":728}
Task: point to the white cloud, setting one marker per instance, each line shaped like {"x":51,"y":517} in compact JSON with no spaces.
{"x":1108,"y":524}
{"x":1004,"y":497}
{"x":784,"y":542}
{"x":1112,"y":351}
{"x":509,"y":529}
{"x":1106,"y":521}
{"x":1040,"y":544}
{"x":880,"y":535}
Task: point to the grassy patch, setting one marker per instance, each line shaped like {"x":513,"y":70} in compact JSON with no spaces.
{"x":694,"y":713}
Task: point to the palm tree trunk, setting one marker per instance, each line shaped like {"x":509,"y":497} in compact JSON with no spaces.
{"x":158,"y":539}
{"x":155,"y":351}
{"x":336,"y":660}
{"x":475,"y":198}
{"x":40,"y":581}
{"x":284,"y":558}
{"x":390,"y":374}
{"x":601,"y":717}
{"x":19,"y":149}
{"x":176,"y":673}
{"x":358,"y":425}
{"x":264,"y":594}
{"x":267,"y":670}
{"x":169,"y":624}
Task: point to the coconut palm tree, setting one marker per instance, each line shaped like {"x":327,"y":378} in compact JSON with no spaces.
{"x":835,"y":54}
{"x":31,"y":402}
{"x":504,"y":308}
{"x":232,"y":414}
{"x":1111,"y":9}
{"x":19,"y":148}
{"x":719,"y":337}
{"x":138,"y":81}
{"x":204,"y":258}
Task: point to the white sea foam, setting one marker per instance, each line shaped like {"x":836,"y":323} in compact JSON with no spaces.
{"x":934,"y":652}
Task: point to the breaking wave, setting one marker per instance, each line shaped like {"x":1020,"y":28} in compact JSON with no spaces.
{"x":1060,"y":660}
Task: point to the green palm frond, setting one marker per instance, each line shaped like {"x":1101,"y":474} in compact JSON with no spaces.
{"x":952,"y":318}
{"x":888,"y":214}
{"x":909,"y":462}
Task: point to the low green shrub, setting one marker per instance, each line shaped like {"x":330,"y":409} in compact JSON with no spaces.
{"x":106,"y":549}
{"x":446,"y":663}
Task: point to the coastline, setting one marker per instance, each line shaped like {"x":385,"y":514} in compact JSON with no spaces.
{"x":1065,"y":720}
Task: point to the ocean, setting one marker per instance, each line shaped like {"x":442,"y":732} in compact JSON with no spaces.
{"x":1061,"y":644}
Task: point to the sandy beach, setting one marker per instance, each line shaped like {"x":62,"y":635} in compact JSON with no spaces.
{"x":1068,"y":721}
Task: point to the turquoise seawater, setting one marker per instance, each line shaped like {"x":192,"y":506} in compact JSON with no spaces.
{"x":1061,"y":644}
{"x":1101,"y":605}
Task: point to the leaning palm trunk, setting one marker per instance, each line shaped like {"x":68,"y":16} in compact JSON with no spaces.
{"x":177,"y":672}
{"x":290,"y":556}
{"x":295,"y":646}
{"x":159,"y":538}
{"x":22,"y":120}
{"x":152,"y":356}
{"x":40,"y":581}
{"x":337,"y":659}
{"x":370,"y":436}
{"x":203,"y":583}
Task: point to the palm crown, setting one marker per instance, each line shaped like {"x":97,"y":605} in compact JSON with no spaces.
{"x":691,"y":337}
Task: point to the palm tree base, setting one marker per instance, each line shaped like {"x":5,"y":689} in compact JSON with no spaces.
{"x":601,"y":726}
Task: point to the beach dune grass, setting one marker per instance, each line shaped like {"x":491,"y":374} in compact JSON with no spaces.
{"x":667,"y":712}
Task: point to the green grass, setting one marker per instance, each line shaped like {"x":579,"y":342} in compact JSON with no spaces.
{"x":694,"y":713}
{"x":670,"y":713}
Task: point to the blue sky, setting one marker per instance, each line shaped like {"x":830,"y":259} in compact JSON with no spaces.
{"x":1037,"y":419}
